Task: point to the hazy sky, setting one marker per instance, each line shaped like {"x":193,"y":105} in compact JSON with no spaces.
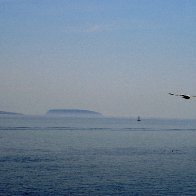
{"x":117,"y":57}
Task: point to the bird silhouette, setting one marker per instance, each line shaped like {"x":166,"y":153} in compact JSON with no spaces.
{"x":183,"y":95}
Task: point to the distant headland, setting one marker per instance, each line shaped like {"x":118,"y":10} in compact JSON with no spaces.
{"x":74,"y":113}
{"x":9,"y":113}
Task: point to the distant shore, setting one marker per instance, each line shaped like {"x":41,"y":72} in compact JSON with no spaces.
{"x":10,"y":113}
{"x":73,"y":113}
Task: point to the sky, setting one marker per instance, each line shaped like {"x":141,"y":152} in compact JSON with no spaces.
{"x":117,"y":57}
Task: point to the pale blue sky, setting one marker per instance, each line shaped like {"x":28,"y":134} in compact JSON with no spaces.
{"x":120,"y":58}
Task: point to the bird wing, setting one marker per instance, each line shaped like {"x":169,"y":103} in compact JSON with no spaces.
{"x":175,"y":94}
{"x":171,"y":93}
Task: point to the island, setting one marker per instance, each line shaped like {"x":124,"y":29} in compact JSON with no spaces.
{"x":9,"y":113}
{"x":74,"y":113}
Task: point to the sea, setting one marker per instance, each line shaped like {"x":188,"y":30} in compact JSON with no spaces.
{"x":97,"y":156}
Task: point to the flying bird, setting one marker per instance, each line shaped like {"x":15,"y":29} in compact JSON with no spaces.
{"x":182,"y":95}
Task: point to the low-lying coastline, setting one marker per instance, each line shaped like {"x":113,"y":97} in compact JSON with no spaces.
{"x":73,"y":113}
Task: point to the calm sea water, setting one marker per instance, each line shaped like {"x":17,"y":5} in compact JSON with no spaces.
{"x":67,"y":156}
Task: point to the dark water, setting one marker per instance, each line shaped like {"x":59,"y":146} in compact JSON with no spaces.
{"x":66,"y":156}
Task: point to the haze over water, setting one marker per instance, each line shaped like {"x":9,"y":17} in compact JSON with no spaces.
{"x":119,"y":57}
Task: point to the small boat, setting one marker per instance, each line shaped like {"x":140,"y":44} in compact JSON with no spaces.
{"x":138,"y":118}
